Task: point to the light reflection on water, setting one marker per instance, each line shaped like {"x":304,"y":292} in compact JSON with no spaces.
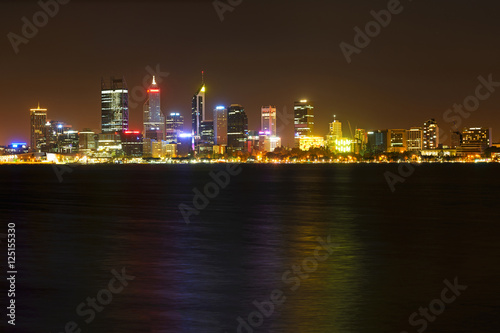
{"x":394,"y":250}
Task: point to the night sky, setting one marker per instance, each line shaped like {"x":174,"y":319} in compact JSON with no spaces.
{"x":264,"y":52}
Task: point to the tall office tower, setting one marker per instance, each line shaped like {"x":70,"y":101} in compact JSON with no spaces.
{"x":220,"y":126}
{"x":377,"y":141}
{"x":207,"y":134}
{"x":397,"y":141}
{"x":334,"y":134}
{"x":114,"y":106}
{"x":153,"y":119}
{"x":431,"y":135}
{"x":304,"y":118}
{"x":87,"y":141}
{"x":38,"y":119}
{"x":414,"y":138}
{"x":456,"y":139}
{"x":476,"y":140}
{"x":198,"y":109}
{"x":268,"y":120}
{"x":53,"y":131}
{"x":175,"y":126}
{"x":360,"y":140}
{"x":336,"y":128}
{"x":237,"y":127}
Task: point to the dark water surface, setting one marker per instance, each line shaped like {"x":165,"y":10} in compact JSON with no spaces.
{"x":393,"y":250}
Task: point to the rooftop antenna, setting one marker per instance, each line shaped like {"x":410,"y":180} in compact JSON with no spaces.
{"x":154,"y":80}
{"x":202,"y":77}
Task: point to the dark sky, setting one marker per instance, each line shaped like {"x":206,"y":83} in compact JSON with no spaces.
{"x":265,"y":52}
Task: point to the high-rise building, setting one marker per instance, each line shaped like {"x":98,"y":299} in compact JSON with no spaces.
{"x":114,"y":106}
{"x":396,"y":141}
{"x":377,"y":141}
{"x":88,"y":141}
{"x":38,"y":119}
{"x":430,"y":135}
{"x":53,"y":131}
{"x":414,"y":139}
{"x":68,"y":142}
{"x":475,"y":140}
{"x":360,"y":141}
{"x":334,"y":134}
{"x":456,"y":139}
{"x":237,"y":127}
{"x":268,"y":120}
{"x":198,"y":110}
{"x":175,"y":126}
{"x":220,"y":126}
{"x":304,"y":118}
{"x":153,"y":119}
{"x":132,"y":143}
{"x":207,"y":134}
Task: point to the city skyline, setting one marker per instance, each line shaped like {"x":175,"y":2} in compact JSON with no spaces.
{"x":388,"y":85}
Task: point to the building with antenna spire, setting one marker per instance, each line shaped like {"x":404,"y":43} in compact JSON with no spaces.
{"x":153,"y":118}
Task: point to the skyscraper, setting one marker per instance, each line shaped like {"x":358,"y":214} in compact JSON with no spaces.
{"x":207,"y":135}
{"x":198,"y":110}
{"x":431,"y":135}
{"x":475,"y":140}
{"x":334,"y":135}
{"x":237,"y":127}
{"x":38,"y":119}
{"x":268,"y":120}
{"x":220,"y":126}
{"x":304,"y":118}
{"x":114,"y":106}
{"x":397,"y":141}
{"x":414,"y":138}
{"x":175,"y":126}
{"x":153,"y":119}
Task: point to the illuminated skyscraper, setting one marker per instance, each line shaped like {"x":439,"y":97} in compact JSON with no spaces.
{"x":114,"y":106}
{"x":475,"y":140}
{"x":198,"y":109}
{"x":431,"y":134}
{"x":220,"y":126}
{"x":153,"y":119}
{"x":38,"y":119}
{"x":268,"y":120}
{"x":304,"y":118}
{"x":207,"y":134}
{"x":397,"y":141}
{"x":237,"y":127}
{"x":377,"y":141}
{"x":334,"y":134}
{"x":175,"y":126}
{"x":414,"y":138}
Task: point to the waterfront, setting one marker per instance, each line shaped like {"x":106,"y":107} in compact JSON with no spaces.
{"x":393,"y":250}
